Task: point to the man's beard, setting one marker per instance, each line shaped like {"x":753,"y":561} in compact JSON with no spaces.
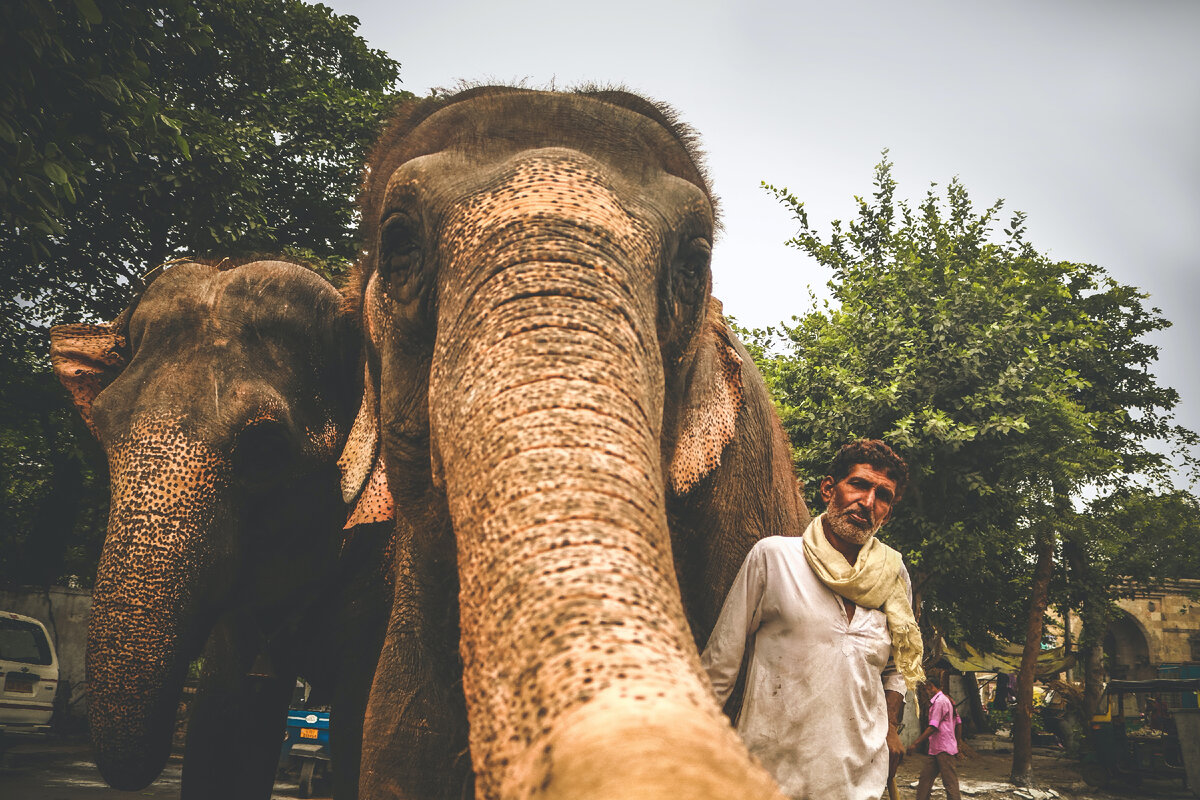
{"x":846,"y":529}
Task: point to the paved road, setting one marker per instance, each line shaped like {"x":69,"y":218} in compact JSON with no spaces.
{"x":68,"y":773}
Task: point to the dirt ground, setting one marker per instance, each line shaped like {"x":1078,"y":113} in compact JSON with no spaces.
{"x":985,"y":777}
{"x":64,"y":771}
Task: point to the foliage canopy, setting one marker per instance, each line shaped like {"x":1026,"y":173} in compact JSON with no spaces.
{"x":1009,"y":381}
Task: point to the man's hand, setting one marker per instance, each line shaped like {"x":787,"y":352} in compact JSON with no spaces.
{"x":895,"y":750}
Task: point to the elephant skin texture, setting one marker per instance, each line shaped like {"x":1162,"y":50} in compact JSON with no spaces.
{"x":222,"y":399}
{"x":578,"y":450}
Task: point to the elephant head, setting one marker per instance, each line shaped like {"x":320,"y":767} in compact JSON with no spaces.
{"x":222,"y":398}
{"x":552,"y":394}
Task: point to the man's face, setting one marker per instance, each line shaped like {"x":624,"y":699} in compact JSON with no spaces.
{"x":858,"y":504}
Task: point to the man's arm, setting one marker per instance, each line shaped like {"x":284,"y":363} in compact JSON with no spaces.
{"x":739,"y":618}
{"x":895,"y":712}
{"x":925,"y":734}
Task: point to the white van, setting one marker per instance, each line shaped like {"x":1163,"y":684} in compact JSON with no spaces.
{"x":28,"y":675}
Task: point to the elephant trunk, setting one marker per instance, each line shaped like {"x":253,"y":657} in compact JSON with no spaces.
{"x":580,"y":673}
{"x":147,"y":622}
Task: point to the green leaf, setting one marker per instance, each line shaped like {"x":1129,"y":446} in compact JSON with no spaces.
{"x":54,"y":172}
{"x":89,"y":11}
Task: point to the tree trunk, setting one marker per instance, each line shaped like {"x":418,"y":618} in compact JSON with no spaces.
{"x":974,"y":704}
{"x":1023,"y":709}
{"x":1094,"y":622}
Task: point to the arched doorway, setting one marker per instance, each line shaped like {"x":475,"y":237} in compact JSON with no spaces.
{"x":1127,"y":649}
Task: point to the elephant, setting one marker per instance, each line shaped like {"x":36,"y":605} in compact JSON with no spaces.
{"x":576,"y":450}
{"x":222,"y":398}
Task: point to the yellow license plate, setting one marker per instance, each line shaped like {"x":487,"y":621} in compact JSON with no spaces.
{"x":16,"y":682}
{"x":308,"y":733}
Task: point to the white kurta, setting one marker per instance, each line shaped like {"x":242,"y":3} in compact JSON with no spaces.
{"x":814,"y":711}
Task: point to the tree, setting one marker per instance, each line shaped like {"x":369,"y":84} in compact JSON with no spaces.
{"x":137,"y":133}
{"x":253,"y":121}
{"x":1009,"y":381}
{"x":76,"y":94}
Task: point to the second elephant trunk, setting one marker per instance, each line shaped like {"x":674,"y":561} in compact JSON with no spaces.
{"x":579,"y":669}
{"x":147,"y":618}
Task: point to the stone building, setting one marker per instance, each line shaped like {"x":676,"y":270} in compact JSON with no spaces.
{"x":1157,"y":633}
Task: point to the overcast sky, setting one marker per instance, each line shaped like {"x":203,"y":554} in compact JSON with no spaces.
{"x":1085,"y":115}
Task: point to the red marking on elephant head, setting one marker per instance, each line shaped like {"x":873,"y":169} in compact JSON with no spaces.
{"x":86,"y":358}
{"x":715,"y":396}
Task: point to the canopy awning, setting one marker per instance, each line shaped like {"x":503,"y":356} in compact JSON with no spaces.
{"x":1154,"y":685}
{"x":1006,"y":657}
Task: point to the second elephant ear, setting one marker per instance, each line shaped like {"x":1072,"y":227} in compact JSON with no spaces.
{"x":714,"y":398}
{"x":364,"y":478}
{"x":86,"y":358}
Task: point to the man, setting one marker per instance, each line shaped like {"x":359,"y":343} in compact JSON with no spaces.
{"x":828,"y":620}
{"x":942,"y":734}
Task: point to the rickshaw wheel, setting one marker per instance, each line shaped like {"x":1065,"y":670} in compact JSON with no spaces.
{"x":306,"y":777}
{"x":1094,"y":774}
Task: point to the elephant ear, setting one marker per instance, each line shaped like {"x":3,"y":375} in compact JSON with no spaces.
{"x":86,"y":358}
{"x":714,"y":397}
{"x":364,"y":479}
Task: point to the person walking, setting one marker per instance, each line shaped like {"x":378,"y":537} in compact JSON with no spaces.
{"x":942,"y":738}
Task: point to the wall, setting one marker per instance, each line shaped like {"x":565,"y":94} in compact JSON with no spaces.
{"x":65,"y":613}
{"x":1171,"y":621}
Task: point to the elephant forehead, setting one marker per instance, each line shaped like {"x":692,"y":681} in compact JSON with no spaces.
{"x":562,"y":195}
{"x":202,"y":304}
{"x":484,"y":127}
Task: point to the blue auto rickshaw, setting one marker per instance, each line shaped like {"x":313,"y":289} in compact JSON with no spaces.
{"x":306,"y":745}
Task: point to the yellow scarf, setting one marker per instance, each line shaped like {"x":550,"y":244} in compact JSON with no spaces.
{"x":873,"y":581}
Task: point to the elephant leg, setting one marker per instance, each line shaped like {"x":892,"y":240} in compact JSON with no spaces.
{"x":236,"y":724}
{"x":365,"y":598}
{"x":416,"y":720}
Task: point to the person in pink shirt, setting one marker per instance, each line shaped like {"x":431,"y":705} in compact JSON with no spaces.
{"x":943,"y":744}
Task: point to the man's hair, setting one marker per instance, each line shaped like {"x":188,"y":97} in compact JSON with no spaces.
{"x":874,"y":453}
{"x":936,"y":678}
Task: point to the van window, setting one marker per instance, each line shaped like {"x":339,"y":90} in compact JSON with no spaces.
{"x":23,"y":642}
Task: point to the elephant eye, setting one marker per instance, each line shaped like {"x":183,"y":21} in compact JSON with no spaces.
{"x":691,"y":270}
{"x":399,"y":247}
{"x":681,"y":302}
{"x":695,"y":257}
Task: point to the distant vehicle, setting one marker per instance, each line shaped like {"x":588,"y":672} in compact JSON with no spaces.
{"x":1127,"y":744}
{"x":28,"y":675}
{"x":306,"y":741}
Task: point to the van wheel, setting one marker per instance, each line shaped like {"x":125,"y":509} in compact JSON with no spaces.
{"x":306,"y":777}
{"x":1094,"y":774}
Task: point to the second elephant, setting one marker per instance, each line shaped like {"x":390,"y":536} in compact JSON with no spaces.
{"x":222,"y":398}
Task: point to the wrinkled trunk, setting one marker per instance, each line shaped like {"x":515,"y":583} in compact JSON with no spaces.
{"x":146,"y":622}
{"x":580,"y":674}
